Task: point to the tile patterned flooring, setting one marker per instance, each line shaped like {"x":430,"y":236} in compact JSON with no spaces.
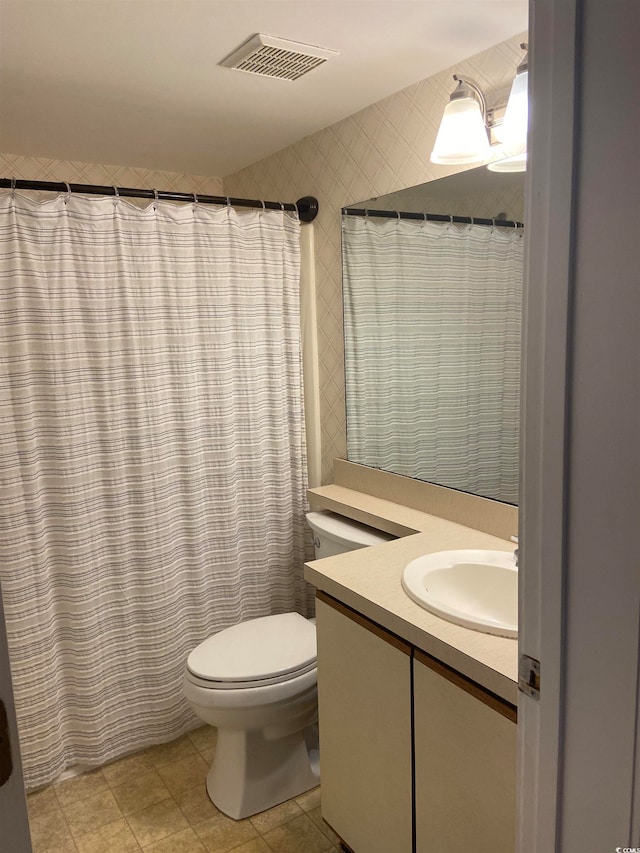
{"x":155,"y":801}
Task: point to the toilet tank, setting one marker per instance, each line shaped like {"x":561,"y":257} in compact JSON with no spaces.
{"x":334,"y":534}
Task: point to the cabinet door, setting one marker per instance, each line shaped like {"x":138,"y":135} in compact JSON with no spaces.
{"x":465,"y":764}
{"x":364,"y":696}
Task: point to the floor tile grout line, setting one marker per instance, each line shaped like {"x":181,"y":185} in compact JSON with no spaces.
{"x":261,"y":833}
{"x":126,"y":820}
{"x":65,"y":818}
{"x":148,"y":806}
{"x":75,"y":839}
{"x":170,"y":794}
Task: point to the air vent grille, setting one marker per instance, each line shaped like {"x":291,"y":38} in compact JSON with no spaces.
{"x":275,"y":57}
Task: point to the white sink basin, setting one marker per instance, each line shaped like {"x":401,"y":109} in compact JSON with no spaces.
{"x":477,"y":589}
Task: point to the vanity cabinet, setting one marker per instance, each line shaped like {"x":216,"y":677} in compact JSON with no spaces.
{"x":364,"y":702}
{"x":412,"y":753}
{"x":465,"y":763}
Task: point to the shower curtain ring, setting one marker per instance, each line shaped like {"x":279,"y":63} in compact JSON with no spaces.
{"x":66,"y":201}
{"x":155,"y":199}
{"x":13,"y":188}
{"x":195,"y":198}
{"x":264,"y":206}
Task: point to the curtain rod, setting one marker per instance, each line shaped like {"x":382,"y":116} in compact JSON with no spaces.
{"x":307,"y":206}
{"x":430,"y":217}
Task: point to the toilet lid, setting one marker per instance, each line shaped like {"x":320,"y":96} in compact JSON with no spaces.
{"x":264,"y":650}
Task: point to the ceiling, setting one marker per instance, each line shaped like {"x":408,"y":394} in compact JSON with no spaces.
{"x":136,"y":82}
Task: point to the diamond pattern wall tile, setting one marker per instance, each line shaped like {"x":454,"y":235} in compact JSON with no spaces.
{"x":379,"y":150}
{"x":75,"y":172}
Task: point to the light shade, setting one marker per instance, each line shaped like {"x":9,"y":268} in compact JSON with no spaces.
{"x":516,"y":163}
{"x":513,"y":132}
{"x":462,"y":137}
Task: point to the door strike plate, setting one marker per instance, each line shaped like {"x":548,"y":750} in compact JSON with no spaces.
{"x":529,"y":676}
{"x":6,"y":766}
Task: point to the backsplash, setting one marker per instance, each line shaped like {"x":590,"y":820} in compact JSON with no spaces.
{"x":378,"y":150}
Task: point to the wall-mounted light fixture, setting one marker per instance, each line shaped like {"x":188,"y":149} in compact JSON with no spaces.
{"x":463,"y":136}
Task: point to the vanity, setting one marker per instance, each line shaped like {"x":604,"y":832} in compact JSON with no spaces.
{"x":417,"y":714}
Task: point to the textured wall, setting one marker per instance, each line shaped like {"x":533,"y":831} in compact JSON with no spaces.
{"x":41,"y":169}
{"x":378,"y":150}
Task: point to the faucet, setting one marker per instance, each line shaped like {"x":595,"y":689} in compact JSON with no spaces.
{"x":515,"y":553}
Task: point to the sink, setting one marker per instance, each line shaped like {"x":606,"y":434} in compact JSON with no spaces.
{"x":477,"y":589}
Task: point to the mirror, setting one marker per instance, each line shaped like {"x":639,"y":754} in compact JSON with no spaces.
{"x":432,"y":308}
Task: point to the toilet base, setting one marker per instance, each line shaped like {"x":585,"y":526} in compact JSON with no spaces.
{"x":251,"y":774}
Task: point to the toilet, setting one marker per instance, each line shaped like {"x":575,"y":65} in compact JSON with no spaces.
{"x":257,"y":683}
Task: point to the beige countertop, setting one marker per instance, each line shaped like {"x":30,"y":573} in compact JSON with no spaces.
{"x":369,"y":581}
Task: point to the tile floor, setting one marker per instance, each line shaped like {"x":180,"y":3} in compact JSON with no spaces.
{"x":155,"y":801}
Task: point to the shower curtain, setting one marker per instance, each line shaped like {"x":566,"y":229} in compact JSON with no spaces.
{"x":432,"y":350}
{"x":152,"y":457}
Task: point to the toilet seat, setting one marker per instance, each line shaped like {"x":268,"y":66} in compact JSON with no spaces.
{"x":260,"y":652}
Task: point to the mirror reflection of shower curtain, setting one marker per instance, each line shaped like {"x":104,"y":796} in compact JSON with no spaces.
{"x":432,"y":351}
{"x":152,"y":451}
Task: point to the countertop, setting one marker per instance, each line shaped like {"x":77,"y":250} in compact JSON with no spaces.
{"x":369,"y":581}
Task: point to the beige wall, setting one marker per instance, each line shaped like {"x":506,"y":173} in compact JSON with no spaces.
{"x":75,"y":172}
{"x":378,"y":150}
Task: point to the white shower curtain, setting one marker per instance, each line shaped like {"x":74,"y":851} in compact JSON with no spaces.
{"x":152,"y":457}
{"x":432,"y":351}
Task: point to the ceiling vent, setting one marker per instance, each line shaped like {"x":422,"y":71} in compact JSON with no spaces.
{"x":276,"y":57}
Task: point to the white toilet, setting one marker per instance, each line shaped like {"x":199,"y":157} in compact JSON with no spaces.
{"x":257,"y":683}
